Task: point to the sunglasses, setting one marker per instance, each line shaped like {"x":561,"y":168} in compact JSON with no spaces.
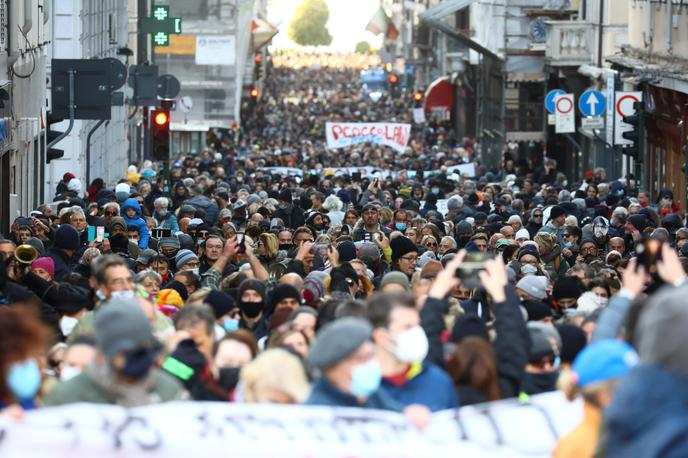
{"x":430,"y":244}
{"x":537,"y":216}
{"x":110,"y":213}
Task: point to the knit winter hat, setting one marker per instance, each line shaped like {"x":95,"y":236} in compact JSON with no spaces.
{"x":566,"y":288}
{"x":46,"y":264}
{"x":314,"y":287}
{"x":169,"y":297}
{"x":220,"y":302}
{"x":401,"y":246}
{"x":469,"y":326}
{"x":67,"y":238}
{"x":397,"y":278}
{"x":281,"y":292}
{"x":74,"y":185}
{"x":522,"y":234}
{"x":534,"y":285}
{"x":184,"y":256}
{"x":347,"y":251}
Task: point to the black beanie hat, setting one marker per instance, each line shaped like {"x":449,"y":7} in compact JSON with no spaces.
{"x":537,"y":310}
{"x":254,"y":285}
{"x":347,"y":251}
{"x":401,"y":246}
{"x":567,"y":287}
{"x":528,"y":249}
{"x":573,"y":341}
{"x":220,"y":302}
{"x":180,"y":288}
{"x":67,"y":238}
{"x":281,"y":292}
{"x":469,"y":326}
{"x":556,"y":212}
{"x":72,"y":298}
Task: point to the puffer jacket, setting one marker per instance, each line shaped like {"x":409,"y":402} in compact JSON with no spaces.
{"x":138,"y":222}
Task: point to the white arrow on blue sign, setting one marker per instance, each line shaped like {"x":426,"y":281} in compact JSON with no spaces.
{"x":549,"y":99}
{"x":592,"y":103}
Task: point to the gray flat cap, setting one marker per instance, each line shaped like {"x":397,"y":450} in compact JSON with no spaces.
{"x":337,"y":340}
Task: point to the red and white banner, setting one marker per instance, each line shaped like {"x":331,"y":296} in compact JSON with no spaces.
{"x":342,"y":134}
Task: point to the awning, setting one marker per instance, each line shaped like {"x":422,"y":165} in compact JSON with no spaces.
{"x":445,"y":9}
{"x":439,"y":95}
{"x":519,"y":77}
{"x":433,"y":17}
{"x":261,"y":33}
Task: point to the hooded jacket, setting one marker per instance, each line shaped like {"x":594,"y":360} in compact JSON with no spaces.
{"x":138,"y":222}
{"x":208,"y":205}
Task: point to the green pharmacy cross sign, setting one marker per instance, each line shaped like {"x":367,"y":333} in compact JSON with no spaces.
{"x":160,"y":25}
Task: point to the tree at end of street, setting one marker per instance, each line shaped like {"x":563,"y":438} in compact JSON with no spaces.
{"x":308,"y":27}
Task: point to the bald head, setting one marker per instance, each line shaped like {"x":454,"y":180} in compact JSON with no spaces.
{"x":617,"y":244}
{"x":292,"y":279}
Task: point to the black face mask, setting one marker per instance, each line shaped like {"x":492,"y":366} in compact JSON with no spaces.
{"x":251,"y":309}
{"x":138,"y":363}
{"x":285,"y":246}
{"x":229,"y":377}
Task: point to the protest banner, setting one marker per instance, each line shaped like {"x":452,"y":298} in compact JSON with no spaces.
{"x":342,"y":134}
{"x":188,"y":429}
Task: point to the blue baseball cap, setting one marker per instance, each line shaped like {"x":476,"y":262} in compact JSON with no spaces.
{"x":604,"y":360}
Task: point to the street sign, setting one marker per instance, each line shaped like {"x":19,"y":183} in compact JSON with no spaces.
{"x":623,"y":106}
{"x":609,"y":113}
{"x":168,"y":87}
{"x":592,"y":103}
{"x":144,"y":80}
{"x":565,"y":114}
{"x":592,"y":122}
{"x":549,"y":99}
{"x":185,"y":104}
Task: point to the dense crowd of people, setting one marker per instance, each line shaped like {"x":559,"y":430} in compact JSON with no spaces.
{"x":412,"y":288}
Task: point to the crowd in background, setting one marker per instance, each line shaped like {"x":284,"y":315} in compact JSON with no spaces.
{"x":410,"y":292}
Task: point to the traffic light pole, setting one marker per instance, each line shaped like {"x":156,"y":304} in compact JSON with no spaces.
{"x":88,"y":149}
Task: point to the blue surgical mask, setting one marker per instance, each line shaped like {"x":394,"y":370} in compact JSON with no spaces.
{"x":435,"y":191}
{"x":365,"y":379}
{"x":24,"y":379}
{"x":568,"y":245}
{"x":163,"y":213}
{"x":230,"y":324}
{"x":400,"y":226}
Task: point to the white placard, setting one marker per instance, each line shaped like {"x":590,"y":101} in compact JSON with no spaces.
{"x":609,"y":113}
{"x":342,"y":134}
{"x":418,"y":115}
{"x":623,"y":106}
{"x":592,"y":122}
{"x":185,"y":104}
{"x":215,"y":50}
{"x":565,"y":114}
{"x":195,"y":429}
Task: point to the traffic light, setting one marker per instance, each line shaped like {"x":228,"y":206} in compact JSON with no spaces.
{"x":254,"y":92}
{"x":52,"y":153}
{"x":636,"y":134}
{"x":393,"y":81}
{"x":160,"y":134}
{"x":258,"y":73}
{"x":418,"y":99}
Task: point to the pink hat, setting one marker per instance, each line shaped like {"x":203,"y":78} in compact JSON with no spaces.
{"x":46,"y":264}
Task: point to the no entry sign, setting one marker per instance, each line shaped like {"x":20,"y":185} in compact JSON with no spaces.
{"x":623,"y":106}
{"x":564,"y":113}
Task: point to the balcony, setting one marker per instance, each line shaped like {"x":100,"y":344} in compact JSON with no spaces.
{"x":569,"y":43}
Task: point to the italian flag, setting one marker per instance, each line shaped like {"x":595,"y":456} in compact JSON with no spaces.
{"x":381,"y":23}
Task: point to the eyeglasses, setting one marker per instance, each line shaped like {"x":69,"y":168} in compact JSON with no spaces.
{"x":431,"y":244}
{"x":110,"y":213}
{"x":410,"y":258}
{"x":567,"y":236}
{"x":537,"y":216}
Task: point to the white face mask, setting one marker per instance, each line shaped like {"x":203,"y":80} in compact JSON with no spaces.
{"x":127,"y":294}
{"x":195,"y":271}
{"x":411,"y":345}
{"x":67,"y":324}
{"x":219,"y":332}
{"x":528,"y":270}
{"x":69,"y":372}
{"x":600,"y":231}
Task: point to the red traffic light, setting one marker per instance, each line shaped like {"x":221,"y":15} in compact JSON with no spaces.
{"x":393,"y":79}
{"x":161,"y":118}
{"x":259,"y":58}
{"x":418,"y":96}
{"x":254,"y":92}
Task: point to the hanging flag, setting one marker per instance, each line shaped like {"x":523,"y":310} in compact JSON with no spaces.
{"x":381,"y":23}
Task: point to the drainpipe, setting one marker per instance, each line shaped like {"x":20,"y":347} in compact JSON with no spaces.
{"x":647,"y":33}
{"x":667,"y":33}
{"x":600,"y":34}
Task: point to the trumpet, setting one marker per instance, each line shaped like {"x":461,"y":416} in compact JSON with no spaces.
{"x":25,"y":254}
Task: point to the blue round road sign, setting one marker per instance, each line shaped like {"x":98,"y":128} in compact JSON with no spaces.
{"x":592,"y":103}
{"x":549,"y":99}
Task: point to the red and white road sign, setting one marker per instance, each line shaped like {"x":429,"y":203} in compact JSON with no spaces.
{"x":623,"y":106}
{"x":565,"y":115}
